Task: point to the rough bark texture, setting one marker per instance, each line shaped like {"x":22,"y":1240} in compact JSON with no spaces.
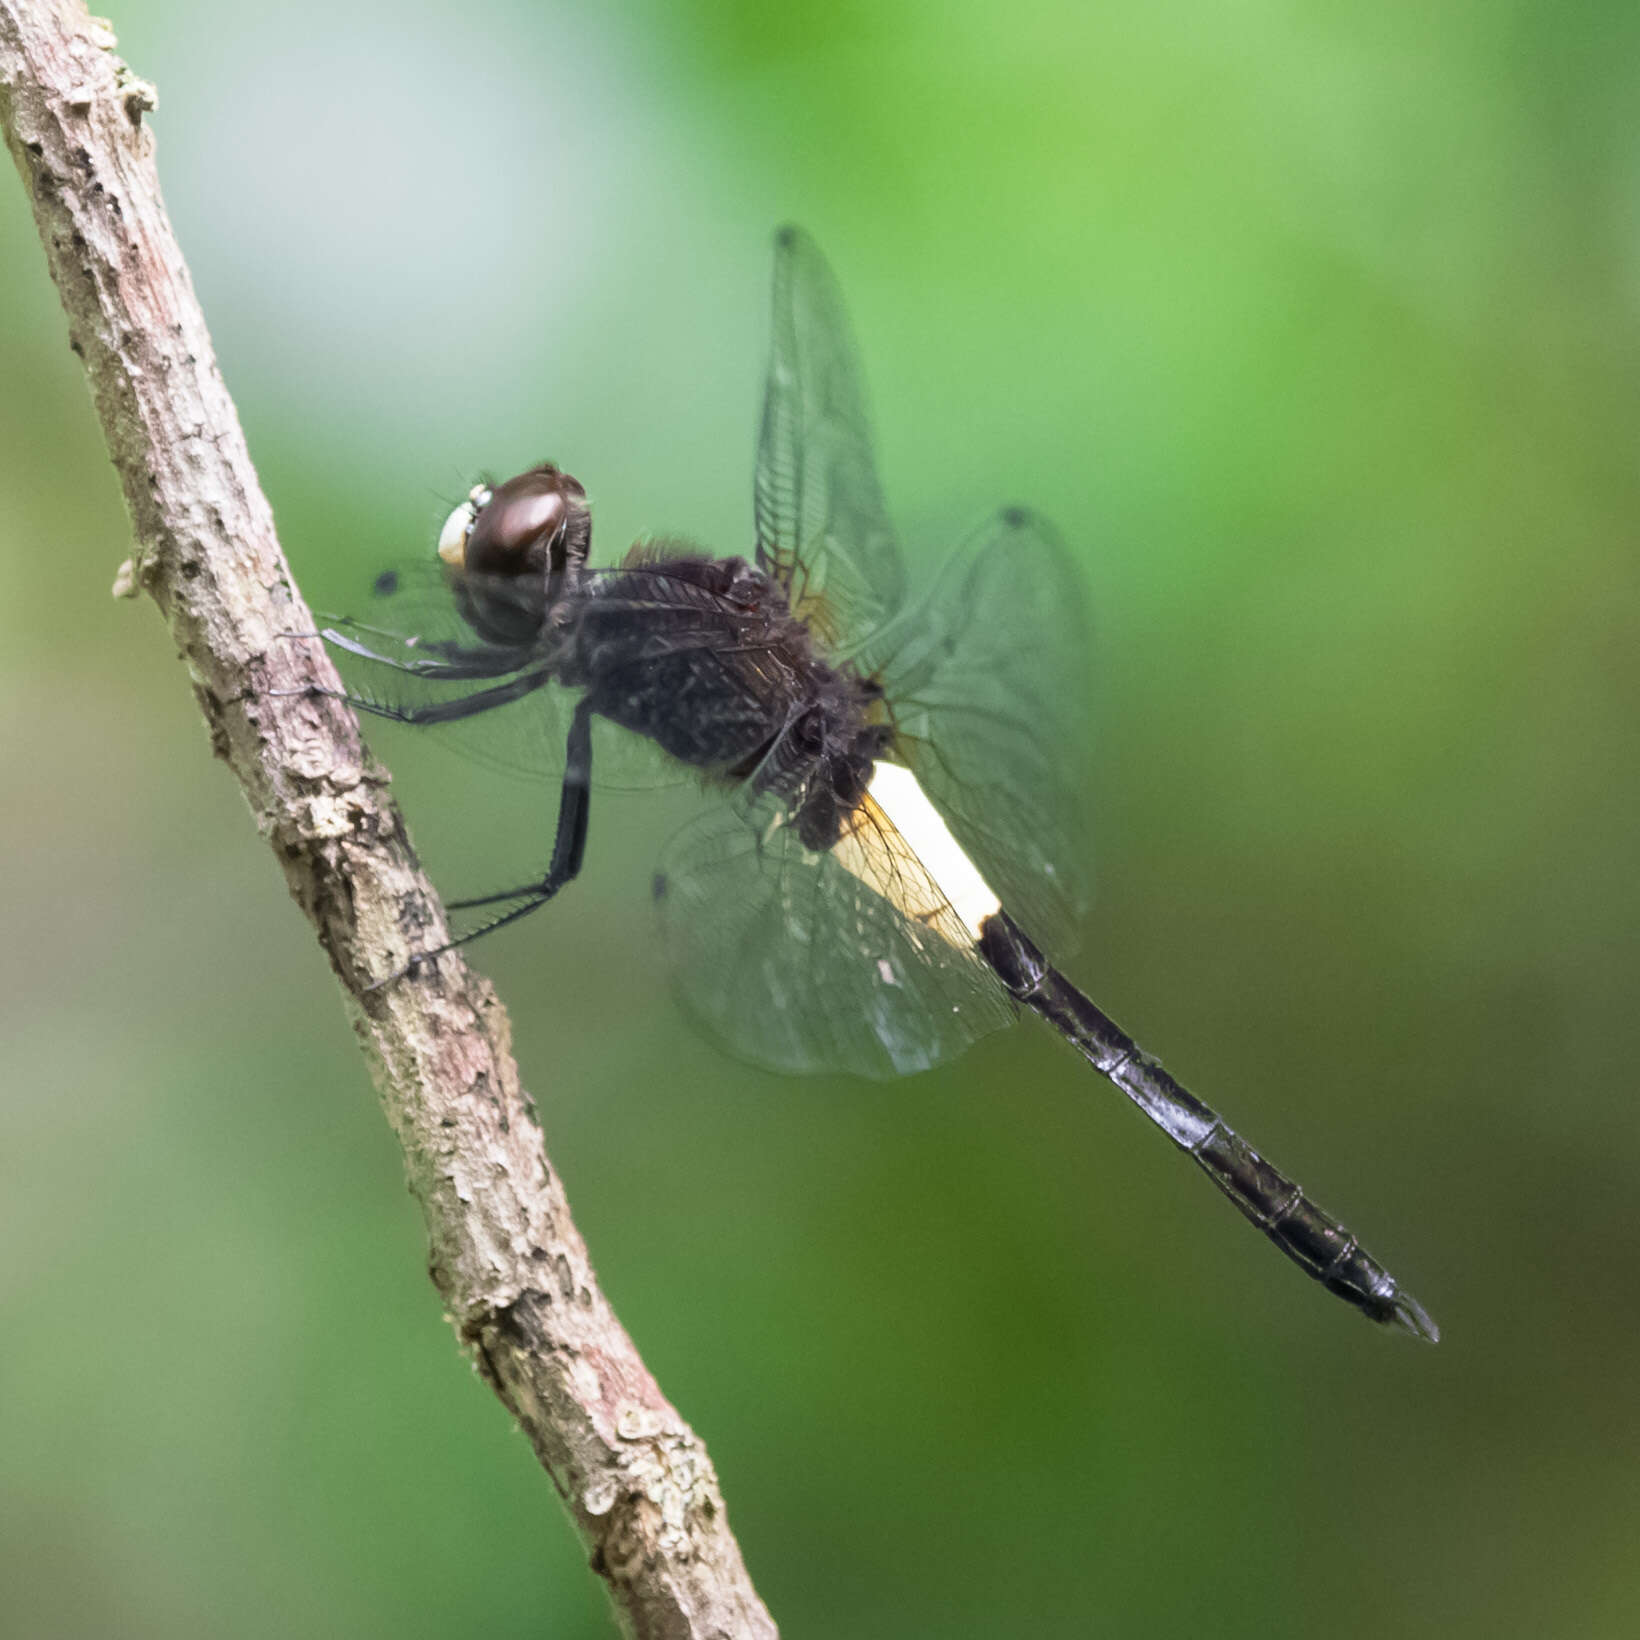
{"x":504,"y":1253}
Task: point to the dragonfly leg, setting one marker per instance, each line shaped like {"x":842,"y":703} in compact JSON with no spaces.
{"x":568,"y":850}
{"x":569,"y":841}
{"x":446,"y":661}
{"x":439,"y":711}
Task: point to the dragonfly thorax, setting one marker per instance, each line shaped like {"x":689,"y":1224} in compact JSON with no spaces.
{"x":704,"y":657}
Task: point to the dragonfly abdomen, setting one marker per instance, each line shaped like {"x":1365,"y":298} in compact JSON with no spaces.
{"x":1308,"y":1235}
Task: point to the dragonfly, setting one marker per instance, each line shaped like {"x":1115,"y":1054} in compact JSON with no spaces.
{"x":896,"y":841}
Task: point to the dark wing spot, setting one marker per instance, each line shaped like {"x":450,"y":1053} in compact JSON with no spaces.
{"x":1016,"y":518}
{"x":386,"y":583}
{"x":657,"y":885}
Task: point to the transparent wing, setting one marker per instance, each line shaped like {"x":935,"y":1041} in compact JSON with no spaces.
{"x":822,"y":529}
{"x":411,"y":651}
{"x":987,"y":682}
{"x":849,"y":960}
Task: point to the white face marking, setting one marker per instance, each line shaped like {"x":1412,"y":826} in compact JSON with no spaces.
{"x":915,"y":863}
{"x":452,"y":539}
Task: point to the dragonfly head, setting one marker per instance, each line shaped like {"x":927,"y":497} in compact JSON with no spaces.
{"x":508,"y":549}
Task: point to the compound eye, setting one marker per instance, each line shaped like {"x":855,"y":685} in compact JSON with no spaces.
{"x":452,"y":539}
{"x":518,"y":528}
{"x":515,"y":523}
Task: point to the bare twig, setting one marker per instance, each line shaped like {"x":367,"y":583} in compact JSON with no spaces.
{"x":504,"y":1253}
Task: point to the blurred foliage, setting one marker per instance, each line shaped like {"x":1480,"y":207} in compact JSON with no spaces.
{"x":1315,"y":330}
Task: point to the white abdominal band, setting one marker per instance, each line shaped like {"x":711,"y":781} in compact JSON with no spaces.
{"x":914,"y":862}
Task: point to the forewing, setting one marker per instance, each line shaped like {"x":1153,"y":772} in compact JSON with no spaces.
{"x":795,"y":961}
{"x":822,"y":529}
{"x":988,"y":686}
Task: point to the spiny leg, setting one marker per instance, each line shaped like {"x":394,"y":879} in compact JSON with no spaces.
{"x":439,"y":711}
{"x":442,"y":661}
{"x":568,"y":846}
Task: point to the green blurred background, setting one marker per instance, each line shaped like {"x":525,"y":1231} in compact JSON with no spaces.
{"x":1314,"y":328}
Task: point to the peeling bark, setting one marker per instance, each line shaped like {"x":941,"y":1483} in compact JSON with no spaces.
{"x":504,"y":1253}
